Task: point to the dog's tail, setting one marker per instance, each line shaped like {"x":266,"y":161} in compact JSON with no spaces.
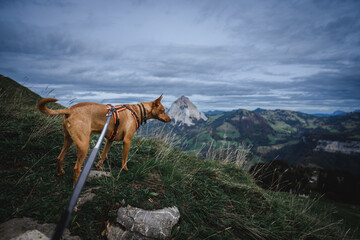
{"x":47,"y":111}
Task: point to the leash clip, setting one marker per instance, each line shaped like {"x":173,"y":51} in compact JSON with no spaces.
{"x":111,"y":110}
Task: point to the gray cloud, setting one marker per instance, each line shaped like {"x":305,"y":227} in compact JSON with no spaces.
{"x":224,"y":55}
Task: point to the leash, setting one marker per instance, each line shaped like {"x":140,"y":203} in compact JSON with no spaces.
{"x":65,"y":218}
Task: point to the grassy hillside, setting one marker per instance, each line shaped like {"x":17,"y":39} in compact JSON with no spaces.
{"x":344,"y":127}
{"x":216,"y":200}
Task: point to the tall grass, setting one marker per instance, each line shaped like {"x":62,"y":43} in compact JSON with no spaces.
{"x":237,"y":154}
{"x":218,"y":193}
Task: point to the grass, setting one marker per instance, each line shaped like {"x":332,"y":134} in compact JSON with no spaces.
{"x":227,"y":130}
{"x":217,"y":200}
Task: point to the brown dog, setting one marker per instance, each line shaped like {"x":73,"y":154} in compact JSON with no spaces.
{"x":84,"y":119}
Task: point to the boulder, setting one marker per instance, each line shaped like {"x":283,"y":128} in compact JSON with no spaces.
{"x":17,"y":227}
{"x":32,"y":234}
{"x":88,"y":195}
{"x":97,"y":174}
{"x":136,"y":223}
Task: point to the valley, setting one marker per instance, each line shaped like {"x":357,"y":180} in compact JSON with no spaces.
{"x":294,"y":137}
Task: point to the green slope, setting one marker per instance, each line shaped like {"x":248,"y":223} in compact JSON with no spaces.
{"x":14,"y":93}
{"x":216,"y":200}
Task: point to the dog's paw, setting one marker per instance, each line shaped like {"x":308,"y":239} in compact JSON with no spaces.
{"x":125,"y":168}
{"x":61,"y":172}
{"x":100,"y":168}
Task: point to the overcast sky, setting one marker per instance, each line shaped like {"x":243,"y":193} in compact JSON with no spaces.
{"x":223,"y":55}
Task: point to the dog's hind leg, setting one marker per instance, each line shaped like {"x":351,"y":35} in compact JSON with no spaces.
{"x":104,"y":155}
{"x":67,"y":143}
{"x":126,"y":147}
{"x":82,"y":149}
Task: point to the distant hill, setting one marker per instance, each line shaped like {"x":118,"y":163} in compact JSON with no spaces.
{"x":10,"y":91}
{"x":215,"y":112}
{"x":336,"y":113}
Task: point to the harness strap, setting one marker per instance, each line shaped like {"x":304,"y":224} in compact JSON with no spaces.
{"x":142,"y":113}
{"x":145,"y":117}
{"x":134,"y":115}
{"x":117,"y":110}
{"x":117,"y":121}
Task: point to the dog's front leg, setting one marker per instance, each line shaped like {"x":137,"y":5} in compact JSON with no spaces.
{"x":104,"y":155}
{"x":126,"y":147}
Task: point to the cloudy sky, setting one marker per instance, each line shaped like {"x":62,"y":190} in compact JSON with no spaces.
{"x":223,"y":55}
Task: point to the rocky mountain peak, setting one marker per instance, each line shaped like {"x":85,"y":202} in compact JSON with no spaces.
{"x":184,"y":112}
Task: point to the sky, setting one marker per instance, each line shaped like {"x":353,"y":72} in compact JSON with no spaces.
{"x":223,"y":55}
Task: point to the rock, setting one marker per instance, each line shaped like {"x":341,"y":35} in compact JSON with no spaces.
{"x":32,"y":234}
{"x":16,"y":227}
{"x":348,"y":147}
{"x":136,"y":223}
{"x":97,"y":174}
{"x":88,"y":195}
{"x":115,"y":232}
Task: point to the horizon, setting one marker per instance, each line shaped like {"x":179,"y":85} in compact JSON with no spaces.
{"x":48,"y":91}
{"x":299,"y":56}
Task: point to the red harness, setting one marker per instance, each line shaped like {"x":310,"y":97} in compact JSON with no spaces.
{"x":117,"y":119}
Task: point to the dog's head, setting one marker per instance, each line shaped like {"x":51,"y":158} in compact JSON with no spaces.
{"x":158,"y":111}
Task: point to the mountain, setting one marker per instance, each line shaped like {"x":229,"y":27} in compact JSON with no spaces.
{"x":215,"y":112}
{"x":184,"y":112}
{"x":240,"y":125}
{"x":336,"y":113}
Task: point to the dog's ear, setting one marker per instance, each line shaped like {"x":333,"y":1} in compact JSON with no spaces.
{"x":157,"y":101}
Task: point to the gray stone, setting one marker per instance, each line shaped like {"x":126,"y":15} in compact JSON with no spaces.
{"x":97,"y":174}
{"x":136,"y":223}
{"x":18,"y":226}
{"x":115,"y":232}
{"x":88,"y":195}
{"x":33,"y":235}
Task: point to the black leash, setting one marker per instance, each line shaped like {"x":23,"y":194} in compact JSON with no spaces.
{"x":65,"y":218}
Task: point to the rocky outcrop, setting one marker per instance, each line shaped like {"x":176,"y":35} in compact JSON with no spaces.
{"x":184,"y":112}
{"x":33,"y":235}
{"x":86,"y":196}
{"x":97,"y":174}
{"x":136,"y":223}
{"x":349,"y":147}
{"x":20,"y":228}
